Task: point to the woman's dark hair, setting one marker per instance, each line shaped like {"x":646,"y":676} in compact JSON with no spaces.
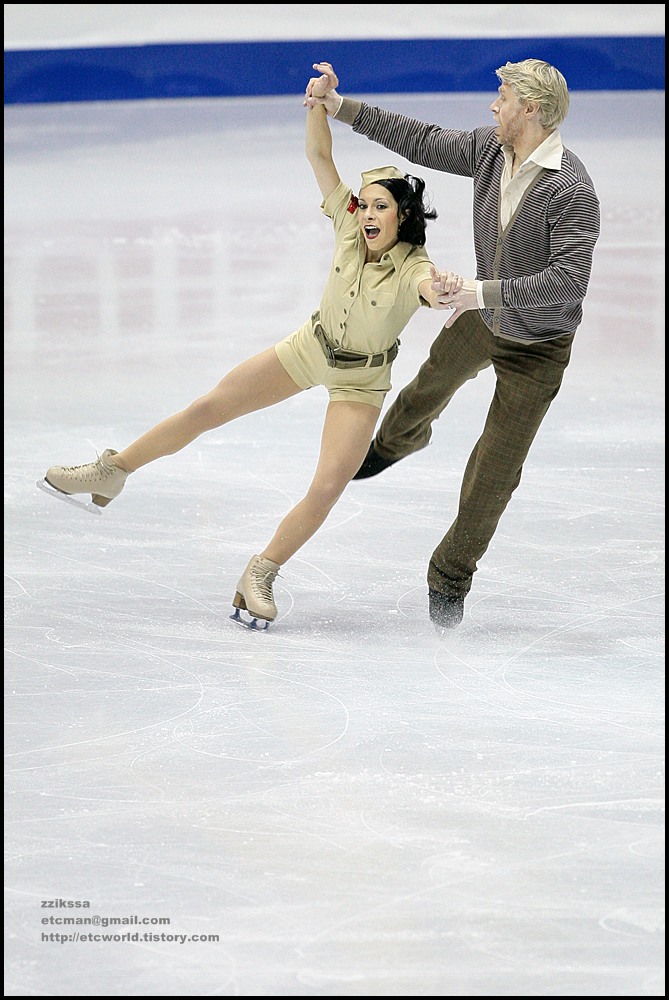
{"x":413,"y":209}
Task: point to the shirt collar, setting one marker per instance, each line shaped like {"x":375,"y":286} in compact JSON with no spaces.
{"x":398,"y":254}
{"x":548,"y":154}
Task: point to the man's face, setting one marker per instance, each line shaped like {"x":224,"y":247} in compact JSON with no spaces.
{"x":509,"y":115}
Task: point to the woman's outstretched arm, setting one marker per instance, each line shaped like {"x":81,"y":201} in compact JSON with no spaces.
{"x":318,"y":147}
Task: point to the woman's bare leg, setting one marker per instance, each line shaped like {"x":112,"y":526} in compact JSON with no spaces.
{"x":254,"y":384}
{"x":347,"y":432}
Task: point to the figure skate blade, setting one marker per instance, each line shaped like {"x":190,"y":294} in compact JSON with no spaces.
{"x":88,"y":505}
{"x":253,"y":624}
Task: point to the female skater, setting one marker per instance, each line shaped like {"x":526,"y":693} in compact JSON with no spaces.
{"x":379,"y":277}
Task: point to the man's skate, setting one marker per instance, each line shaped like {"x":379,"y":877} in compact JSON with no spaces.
{"x":254,"y":594}
{"x":102,"y":479}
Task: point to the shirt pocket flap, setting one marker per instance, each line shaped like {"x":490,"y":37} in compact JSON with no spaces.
{"x":382,"y":300}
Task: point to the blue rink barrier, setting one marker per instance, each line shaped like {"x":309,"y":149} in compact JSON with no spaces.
{"x":256,"y":69}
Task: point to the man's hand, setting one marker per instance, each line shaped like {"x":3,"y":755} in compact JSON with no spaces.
{"x":460,"y":295}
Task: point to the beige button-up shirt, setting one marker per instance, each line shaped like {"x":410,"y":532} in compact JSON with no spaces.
{"x":365,"y":307}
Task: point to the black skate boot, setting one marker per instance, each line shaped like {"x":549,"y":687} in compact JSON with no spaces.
{"x":445,"y":611}
{"x":373,"y":464}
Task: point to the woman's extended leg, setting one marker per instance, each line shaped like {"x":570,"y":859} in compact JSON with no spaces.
{"x":253,"y":385}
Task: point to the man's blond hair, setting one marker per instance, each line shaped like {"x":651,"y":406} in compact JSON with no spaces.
{"x":533,"y":80}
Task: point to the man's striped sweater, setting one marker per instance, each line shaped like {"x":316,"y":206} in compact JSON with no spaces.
{"x":536,"y":272}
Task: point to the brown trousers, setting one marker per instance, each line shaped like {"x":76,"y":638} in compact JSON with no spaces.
{"x":528,"y":379}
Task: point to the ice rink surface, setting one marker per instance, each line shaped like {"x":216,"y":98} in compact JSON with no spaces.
{"x":347,"y":804}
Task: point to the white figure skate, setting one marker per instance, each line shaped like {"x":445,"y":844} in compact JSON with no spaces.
{"x":102,"y":479}
{"x":254,"y":594}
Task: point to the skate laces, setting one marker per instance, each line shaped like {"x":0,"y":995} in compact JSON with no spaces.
{"x":263,"y":580}
{"x":104,"y":469}
{"x":91,"y":468}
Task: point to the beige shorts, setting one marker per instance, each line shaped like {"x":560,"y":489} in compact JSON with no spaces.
{"x":302,"y":357}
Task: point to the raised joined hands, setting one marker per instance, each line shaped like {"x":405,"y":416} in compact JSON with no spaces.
{"x":320,"y":86}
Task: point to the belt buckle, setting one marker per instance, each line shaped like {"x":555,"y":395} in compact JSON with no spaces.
{"x":324,"y":342}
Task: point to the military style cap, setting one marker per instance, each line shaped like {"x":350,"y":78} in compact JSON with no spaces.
{"x":380,"y":174}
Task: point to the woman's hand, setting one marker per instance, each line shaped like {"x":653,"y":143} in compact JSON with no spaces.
{"x":454,"y":292}
{"x":445,"y":283}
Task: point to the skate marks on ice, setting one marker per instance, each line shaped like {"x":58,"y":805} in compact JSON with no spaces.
{"x":343,"y":781}
{"x":91,"y":507}
{"x":543,"y":669}
{"x":571,"y":702}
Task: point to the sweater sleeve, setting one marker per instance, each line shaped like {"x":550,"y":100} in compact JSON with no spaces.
{"x":449,"y":150}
